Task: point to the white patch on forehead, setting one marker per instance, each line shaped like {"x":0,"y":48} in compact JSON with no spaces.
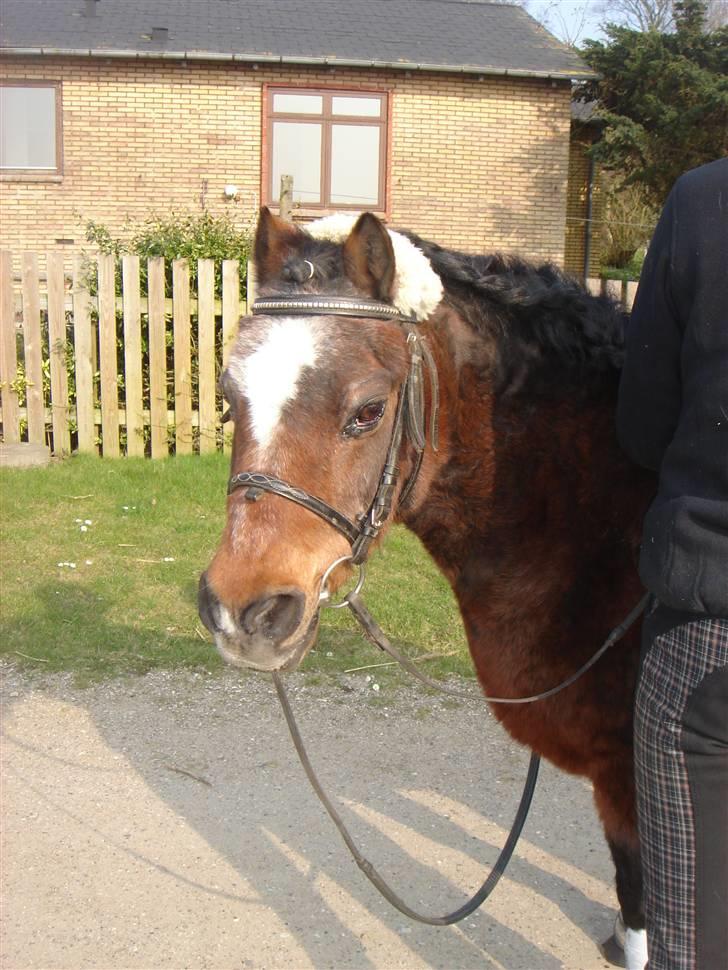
{"x":268,"y":377}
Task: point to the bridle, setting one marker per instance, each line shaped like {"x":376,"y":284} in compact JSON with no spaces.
{"x":409,"y":418}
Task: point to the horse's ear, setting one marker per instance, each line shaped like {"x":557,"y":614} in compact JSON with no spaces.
{"x":274,"y":240}
{"x":369,"y":257}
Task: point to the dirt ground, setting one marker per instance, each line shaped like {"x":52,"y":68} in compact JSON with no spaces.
{"x":165,"y":822}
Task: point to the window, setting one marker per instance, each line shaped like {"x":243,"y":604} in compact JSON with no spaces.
{"x":333,"y":144}
{"x":30,"y":129}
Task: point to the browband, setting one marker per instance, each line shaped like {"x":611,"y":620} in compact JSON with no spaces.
{"x":317,"y":305}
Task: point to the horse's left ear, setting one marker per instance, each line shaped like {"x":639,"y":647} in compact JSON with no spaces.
{"x":369,"y":257}
{"x":274,"y":241}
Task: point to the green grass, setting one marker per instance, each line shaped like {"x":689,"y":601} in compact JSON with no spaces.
{"x":129,"y":605}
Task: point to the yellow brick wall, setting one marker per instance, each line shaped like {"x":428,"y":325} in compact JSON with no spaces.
{"x":479,"y":164}
{"x":577,"y":205}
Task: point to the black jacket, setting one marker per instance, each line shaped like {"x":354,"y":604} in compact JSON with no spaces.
{"x":672,"y":414}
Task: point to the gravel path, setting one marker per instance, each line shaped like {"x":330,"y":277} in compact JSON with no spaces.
{"x":164,"y":822}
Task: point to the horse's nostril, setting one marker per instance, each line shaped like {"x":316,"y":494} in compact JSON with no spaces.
{"x":205,"y":603}
{"x":275,"y":617}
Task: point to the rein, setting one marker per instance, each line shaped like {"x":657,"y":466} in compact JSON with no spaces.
{"x":366,"y":866}
{"x":409,"y":416}
{"x":375,"y":635}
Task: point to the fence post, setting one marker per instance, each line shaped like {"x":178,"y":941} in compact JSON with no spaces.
{"x":8,"y":352}
{"x":182,"y":357}
{"x":33,"y":350}
{"x":132,"y":356}
{"x":57,"y":338}
{"x":230,"y":318}
{"x":206,"y":354}
{"x":631,"y":294}
{"x":595,"y":285}
{"x":83,"y":348}
{"x":250,"y":284}
{"x":286,"y":199}
{"x":157,"y":358}
{"x":107,"y":358}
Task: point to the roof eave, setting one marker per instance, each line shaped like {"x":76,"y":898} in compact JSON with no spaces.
{"x":193,"y":55}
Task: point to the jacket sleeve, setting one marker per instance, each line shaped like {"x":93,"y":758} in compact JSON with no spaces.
{"x":649,"y":401}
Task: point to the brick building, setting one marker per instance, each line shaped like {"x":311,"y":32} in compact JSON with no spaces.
{"x":449,"y":118}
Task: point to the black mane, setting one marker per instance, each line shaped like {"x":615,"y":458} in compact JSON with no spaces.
{"x":552,"y":335}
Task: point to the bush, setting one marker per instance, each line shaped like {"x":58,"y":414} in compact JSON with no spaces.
{"x":629,"y":222}
{"x":190,"y":236}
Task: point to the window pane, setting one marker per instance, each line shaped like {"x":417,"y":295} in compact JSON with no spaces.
{"x":297,"y":152}
{"x":359,"y":107}
{"x":27,"y":127}
{"x":355,"y":165}
{"x":298,"y":104}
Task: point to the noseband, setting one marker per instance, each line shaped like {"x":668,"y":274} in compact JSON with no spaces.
{"x":409,"y":417}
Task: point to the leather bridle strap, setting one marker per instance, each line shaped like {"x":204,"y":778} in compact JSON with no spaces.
{"x":366,"y":866}
{"x":410,"y":413}
{"x":374,"y":633}
{"x":320,"y":305}
{"x":257,"y":483}
{"x":359,"y":536}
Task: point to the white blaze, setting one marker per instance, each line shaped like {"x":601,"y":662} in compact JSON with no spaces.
{"x":269,"y":376}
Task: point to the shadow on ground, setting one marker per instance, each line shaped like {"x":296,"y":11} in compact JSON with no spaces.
{"x":164,"y":821}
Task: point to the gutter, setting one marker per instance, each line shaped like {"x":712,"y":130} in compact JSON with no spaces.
{"x":193,"y":55}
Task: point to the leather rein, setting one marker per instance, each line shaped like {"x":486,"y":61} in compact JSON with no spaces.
{"x":410,"y":418}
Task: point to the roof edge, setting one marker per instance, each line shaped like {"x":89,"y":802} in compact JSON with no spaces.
{"x":284,"y":59}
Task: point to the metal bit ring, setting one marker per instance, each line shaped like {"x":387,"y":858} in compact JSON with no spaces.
{"x":325,"y":595}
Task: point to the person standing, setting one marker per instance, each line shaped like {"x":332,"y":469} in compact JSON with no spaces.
{"x":672,"y":416}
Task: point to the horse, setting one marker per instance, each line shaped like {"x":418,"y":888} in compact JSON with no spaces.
{"x":508,"y":470}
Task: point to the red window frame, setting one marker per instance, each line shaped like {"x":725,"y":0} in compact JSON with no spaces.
{"x":326,"y":119}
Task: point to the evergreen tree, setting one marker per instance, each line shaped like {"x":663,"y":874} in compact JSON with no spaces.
{"x":663,"y":98}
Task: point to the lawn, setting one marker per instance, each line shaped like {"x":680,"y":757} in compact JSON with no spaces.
{"x":100,"y":562}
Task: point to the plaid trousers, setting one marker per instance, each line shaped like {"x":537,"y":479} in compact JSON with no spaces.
{"x":681,"y":765}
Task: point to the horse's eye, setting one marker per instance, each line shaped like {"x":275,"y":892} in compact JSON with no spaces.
{"x":366,"y":418}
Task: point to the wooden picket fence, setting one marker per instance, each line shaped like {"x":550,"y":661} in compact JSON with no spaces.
{"x":617,"y":289}
{"x":135,"y":400}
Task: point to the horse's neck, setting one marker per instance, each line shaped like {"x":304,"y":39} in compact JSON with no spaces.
{"x":523,"y":491}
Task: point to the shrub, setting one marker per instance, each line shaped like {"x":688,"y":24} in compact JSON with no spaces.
{"x":629,"y":222}
{"x":190,"y":236}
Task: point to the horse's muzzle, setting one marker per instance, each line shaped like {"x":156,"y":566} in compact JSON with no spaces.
{"x":261,"y":634}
